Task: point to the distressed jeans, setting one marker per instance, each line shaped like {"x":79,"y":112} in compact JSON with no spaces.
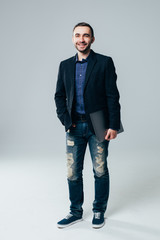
{"x":76,"y":143}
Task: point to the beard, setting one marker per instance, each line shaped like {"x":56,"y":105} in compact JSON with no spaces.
{"x":84,"y":50}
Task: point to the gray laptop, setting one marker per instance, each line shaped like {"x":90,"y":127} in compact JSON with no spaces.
{"x":99,"y":124}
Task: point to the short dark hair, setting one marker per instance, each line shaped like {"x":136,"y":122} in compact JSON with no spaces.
{"x":84,"y":24}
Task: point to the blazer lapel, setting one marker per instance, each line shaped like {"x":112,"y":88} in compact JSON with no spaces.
{"x":72,"y":70}
{"x":91,"y":62}
{"x":71,"y":81}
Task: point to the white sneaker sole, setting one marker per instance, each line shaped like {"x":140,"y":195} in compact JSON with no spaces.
{"x":67,"y":225}
{"x":98,"y":225}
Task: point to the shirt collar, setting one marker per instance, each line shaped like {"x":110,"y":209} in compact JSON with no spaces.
{"x":83,"y":60}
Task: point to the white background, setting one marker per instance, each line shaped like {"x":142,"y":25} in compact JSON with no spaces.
{"x":35,"y":37}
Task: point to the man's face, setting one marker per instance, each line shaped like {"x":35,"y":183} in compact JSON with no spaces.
{"x":82,"y":38}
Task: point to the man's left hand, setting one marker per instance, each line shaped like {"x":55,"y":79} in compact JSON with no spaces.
{"x":110,"y":134}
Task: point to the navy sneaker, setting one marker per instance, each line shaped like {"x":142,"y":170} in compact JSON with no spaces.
{"x":68,"y":220}
{"x":98,"y":220}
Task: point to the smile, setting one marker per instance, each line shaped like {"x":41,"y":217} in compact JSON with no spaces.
{"x":82,"y":45}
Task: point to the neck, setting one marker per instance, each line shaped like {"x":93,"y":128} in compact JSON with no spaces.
{"x":83,"y":55}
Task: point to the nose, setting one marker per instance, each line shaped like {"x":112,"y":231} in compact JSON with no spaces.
{"x":82,"y":39}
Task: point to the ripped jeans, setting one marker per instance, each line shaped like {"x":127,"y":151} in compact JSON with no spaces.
{"x":76,"y":143}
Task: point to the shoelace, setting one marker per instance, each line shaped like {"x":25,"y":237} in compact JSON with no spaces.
{"x":97,"y":215}
{"x":68,"y":216}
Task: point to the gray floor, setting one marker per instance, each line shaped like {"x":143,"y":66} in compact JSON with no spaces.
{"x":34,"y":196}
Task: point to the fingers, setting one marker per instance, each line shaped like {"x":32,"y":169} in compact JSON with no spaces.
{"x":111,"y":134}
{"x":107,"y":136}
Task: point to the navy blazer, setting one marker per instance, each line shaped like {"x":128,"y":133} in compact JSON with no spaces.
{"x":100,"y":90}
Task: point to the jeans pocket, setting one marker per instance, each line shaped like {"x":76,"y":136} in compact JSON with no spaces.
{"x":70,"y":129}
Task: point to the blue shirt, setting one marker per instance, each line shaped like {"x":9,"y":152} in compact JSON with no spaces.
{"x":80,"y":74}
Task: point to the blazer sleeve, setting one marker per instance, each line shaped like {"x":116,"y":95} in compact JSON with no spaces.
{"x":112,"y":95}
{"x":60,"y":96}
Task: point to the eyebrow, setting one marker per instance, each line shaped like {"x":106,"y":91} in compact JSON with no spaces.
{"x":83,"y":34}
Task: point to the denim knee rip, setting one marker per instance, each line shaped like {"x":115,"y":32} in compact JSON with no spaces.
{"x":70,"y":162}
{"x":99,"y":165}
{"x":70,"y":143}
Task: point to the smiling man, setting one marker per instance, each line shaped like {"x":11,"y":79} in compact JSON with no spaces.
{"x":86,"y":85}
{"x":82,"y":39}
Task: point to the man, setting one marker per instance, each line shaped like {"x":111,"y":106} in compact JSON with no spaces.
{"x":86,"y":84}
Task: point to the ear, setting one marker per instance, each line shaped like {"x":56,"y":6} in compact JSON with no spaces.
{"x":93,"y":39}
